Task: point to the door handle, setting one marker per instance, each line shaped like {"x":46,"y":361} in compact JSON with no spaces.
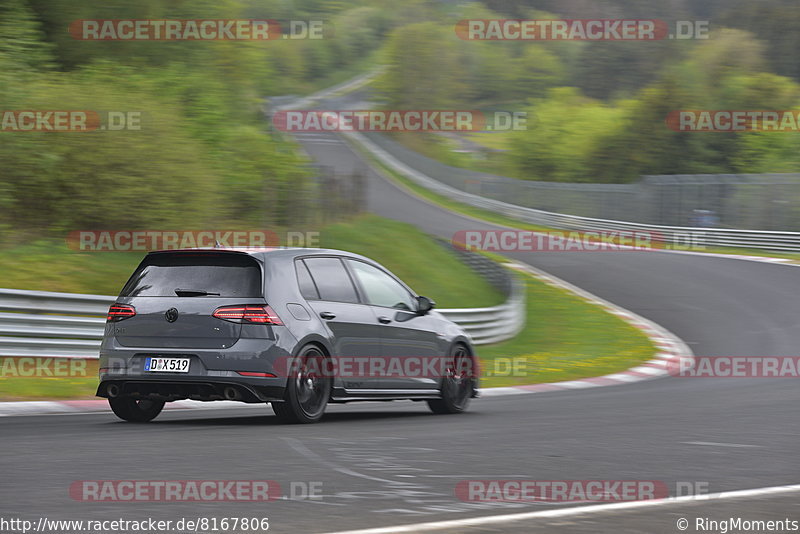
{"x":327,"y":315}
{"x":383,"y":319}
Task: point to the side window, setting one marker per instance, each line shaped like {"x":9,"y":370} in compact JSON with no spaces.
{"x":331,"y":279}
{"x":381,"y":289}
{"x":307,"y":287}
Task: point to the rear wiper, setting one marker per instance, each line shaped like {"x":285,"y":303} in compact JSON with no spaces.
{"x":193,"y":293}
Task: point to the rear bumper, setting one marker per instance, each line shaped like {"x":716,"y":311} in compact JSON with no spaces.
{"x":211,"y":371}
{"x":203,"y":390}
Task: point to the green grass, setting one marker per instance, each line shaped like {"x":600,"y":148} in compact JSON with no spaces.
{"x":50,"y":388}
{"x":48,"y":265}
{"x":447,"y":150}
{"x":425,"y":265}
{"x":14,"y":388}
{"x":492,"y":140}
{"x":565,"y":338}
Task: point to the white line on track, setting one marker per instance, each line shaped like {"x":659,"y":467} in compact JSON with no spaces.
{"x":574,"y":511}
{"x":715,"y":444}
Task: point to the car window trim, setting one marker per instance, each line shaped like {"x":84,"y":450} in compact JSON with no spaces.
{"x":387,"y":273}
{"x":356,"y":288}
{"x":258,"y":261}
{"x":313,"y":282}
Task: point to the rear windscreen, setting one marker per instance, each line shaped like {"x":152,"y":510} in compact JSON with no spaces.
{"x":214,"y":275}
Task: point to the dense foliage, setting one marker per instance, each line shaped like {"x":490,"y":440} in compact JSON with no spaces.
{"x":597,"y":110}
{"x":204,"y":155}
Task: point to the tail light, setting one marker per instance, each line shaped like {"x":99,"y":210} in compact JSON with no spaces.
{"x":259,"y":375}
{"x":118,"y":312}
{"x":248,"y":314}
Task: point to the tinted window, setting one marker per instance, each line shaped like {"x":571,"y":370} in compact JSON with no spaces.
{"x":331,"y":279}
{"x":381,"y":289}
{"x":307,"y":287}
{"x":229,"y":275}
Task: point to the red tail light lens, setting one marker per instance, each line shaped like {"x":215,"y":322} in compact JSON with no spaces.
{"x":248,"y":314}
{"x":259,"y":375}
{"x":118,"y":312}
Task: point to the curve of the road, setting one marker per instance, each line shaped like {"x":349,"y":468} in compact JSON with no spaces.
{"x":394,"y":464}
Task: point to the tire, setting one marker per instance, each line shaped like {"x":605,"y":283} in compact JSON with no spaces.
{"x":135,"y":411}
{"x":458,"y":385}
{"x":307,"y":389}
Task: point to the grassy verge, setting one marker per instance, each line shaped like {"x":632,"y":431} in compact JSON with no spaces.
{"x":565,"y":338}
{"x":13,"y":388}
{"x":448,"y":150}
{"x":492,"y":140}
{"x":427,"y":267}
{"x":48,"y":265}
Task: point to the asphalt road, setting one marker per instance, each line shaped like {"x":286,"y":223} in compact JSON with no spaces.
{"x":391,"y":464}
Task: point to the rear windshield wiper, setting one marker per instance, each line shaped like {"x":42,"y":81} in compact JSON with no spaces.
{"x":193,"y":293}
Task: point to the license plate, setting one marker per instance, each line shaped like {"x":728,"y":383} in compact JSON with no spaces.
{"x":166,"y":365}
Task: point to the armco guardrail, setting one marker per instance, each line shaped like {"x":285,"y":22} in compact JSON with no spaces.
{"x":41,"y":323}
{"x":292,"y":102}
{"x":491,"y":325}
{"x":682,"y":235}
{"x":70,"y":325}
{"x":764,"y":201}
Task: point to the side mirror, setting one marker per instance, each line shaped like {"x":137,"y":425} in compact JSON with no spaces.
{"x":424,"y":305}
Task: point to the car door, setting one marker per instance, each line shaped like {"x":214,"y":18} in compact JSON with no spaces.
{"x":408,"y":340}
{"x":354,"y":327}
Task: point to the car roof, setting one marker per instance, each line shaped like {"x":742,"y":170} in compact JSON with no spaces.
{"x":268,"y":252}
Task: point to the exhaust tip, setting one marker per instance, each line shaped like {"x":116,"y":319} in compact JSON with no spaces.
{"x":230,"y":393}
{"x":112,"y":390}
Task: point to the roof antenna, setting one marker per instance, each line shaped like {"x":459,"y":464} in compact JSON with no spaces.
{"x":217,"y":244}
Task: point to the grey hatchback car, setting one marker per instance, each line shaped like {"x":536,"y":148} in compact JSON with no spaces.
{"x":297,"y":328}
